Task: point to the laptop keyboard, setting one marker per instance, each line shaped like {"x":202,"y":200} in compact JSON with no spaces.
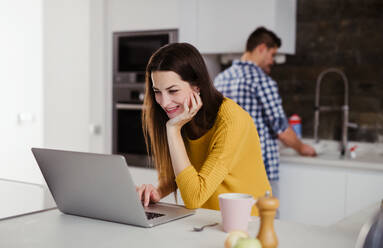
{"x":151,"y":215}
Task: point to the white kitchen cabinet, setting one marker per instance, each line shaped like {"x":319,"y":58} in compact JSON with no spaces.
{"x":363,"y":188}
{"x":67,"y":70}
{"x":312,"y":194}
{"x":50,"y":61}
{"x":21,"y":79}
{"x":322,"y":195}
{"x":133,"y":15}
{"x":213,"y":26}
{"x":217,"y":26}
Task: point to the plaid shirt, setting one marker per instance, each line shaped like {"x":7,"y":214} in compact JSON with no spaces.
{"x":257,"y":93}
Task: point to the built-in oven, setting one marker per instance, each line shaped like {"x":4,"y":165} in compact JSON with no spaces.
{"x":128,"y":138}
{"x":131,"y":53}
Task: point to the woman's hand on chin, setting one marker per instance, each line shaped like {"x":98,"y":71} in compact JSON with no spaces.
{"x":188,"y":114}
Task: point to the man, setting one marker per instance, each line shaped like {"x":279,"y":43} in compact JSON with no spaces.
{"x":247,"y":82}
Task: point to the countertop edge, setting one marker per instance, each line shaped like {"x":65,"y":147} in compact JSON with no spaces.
{"x":349,"y":164}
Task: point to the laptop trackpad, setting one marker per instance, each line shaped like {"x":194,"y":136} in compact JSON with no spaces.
{"x":166,"y":211}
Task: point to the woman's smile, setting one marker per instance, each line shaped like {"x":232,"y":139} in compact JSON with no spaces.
{"x":172,"y":112}
{"x":170,"y":92}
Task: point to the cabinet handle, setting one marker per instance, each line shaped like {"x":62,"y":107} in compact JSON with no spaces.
{"x":128,"y":106}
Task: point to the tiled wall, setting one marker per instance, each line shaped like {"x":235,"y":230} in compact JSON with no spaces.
{"x":345,"y":34}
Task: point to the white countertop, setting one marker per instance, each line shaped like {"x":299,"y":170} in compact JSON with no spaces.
{"x":369,"y":156}
{"x":54,"y":229}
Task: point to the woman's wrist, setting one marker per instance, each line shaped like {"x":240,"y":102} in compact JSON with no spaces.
{"x":173,"y":129}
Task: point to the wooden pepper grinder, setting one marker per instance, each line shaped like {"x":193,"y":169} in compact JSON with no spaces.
{"x":267,"y":207}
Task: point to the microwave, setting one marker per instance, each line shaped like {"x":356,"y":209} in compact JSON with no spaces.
{"x":132,"y":51}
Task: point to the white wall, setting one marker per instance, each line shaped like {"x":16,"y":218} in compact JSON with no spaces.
{"x":21,"y":119}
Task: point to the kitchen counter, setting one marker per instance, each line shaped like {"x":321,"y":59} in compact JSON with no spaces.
{"x":54,"y":229}
{"x":368,"y":155}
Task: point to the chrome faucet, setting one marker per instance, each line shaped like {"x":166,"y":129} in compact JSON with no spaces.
{"x":344,"y":109}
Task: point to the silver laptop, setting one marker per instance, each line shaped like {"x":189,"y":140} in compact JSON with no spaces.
{"x":100,"y":186}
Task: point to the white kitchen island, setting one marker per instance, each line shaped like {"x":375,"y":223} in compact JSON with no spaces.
{"x":53,"y":229}
{"x":19,"y":197}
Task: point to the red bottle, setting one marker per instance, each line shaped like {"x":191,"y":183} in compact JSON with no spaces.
{"x":296,"y":124}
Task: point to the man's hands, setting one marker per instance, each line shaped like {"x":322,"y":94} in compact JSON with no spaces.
{"x":189,"y":112}
{"x":307,"y":150}
{"x":148,"y":193}
{"x":289,"y":138}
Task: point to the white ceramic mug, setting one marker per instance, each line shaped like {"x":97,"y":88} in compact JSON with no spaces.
{"x":235,"y":210}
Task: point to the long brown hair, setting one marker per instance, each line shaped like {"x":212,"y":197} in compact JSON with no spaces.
{"x":185,"y":60}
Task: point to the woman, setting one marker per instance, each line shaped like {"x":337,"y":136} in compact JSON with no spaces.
{"x":200,"y":142}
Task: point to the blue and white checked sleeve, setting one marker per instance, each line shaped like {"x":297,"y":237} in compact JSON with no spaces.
{"x":268,"y":97}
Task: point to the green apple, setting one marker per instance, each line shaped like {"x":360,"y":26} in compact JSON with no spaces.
{"x":248,"y":243}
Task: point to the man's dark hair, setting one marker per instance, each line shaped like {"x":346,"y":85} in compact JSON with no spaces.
{"x":262,"y":36}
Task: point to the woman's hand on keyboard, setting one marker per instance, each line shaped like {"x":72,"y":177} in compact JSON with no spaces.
{"x":148,"y":193}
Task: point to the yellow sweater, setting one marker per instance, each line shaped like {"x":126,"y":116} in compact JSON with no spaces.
{"x":227,"y":159}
